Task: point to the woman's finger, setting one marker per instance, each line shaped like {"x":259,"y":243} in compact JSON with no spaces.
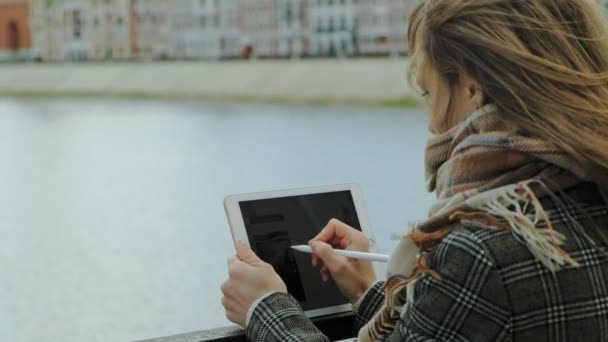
{"x":231,"y":317}
{"x":334,"y":228}
{"x":324,"y":276}
{"x":332,"y":260}
{"x":246,"y":254}
{"x":225,"y":287}
{"x":339,"y":234}
{"x":236,"y":268}
{"x":318,"y":261}
{"x":340,"y":242}
{"x":232,"y":260}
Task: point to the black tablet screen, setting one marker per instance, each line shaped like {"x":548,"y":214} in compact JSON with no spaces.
{"x":274,"y":225}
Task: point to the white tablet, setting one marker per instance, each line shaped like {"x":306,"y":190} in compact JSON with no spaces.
{"x":274,"y":221}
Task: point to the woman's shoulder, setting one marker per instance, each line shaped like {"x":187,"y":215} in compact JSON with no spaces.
{"x":518,"y":283}
{"x":509,"y":254}
{"x":468,"y":242}
{"x":495,"y":247}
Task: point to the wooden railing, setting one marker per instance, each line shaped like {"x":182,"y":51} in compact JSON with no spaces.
{"x":335,"y":327}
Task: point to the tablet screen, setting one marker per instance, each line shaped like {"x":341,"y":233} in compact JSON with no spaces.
{"x":274,"y":225}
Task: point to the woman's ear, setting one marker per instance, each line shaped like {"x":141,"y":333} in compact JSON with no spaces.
{"x":474,"y":92}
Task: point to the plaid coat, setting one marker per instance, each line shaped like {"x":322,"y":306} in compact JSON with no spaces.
{"x":492,"y":288}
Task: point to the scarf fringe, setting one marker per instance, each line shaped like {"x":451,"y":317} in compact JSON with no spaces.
{"x":383,"y":322}
{"x":519,"y":206}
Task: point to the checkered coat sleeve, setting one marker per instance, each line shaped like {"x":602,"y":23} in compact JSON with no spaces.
{"x":491,"y":289}
{"x":280,"y":318}
{"x":467,"y":302}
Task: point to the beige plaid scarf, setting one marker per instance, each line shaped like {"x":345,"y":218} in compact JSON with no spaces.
{"x":482,"y":171}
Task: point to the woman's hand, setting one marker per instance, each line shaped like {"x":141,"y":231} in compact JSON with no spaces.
{"x":353,"y":277}
{"x":248,"y":278}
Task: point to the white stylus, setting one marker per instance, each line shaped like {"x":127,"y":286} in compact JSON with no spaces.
{"x":348,"y":254}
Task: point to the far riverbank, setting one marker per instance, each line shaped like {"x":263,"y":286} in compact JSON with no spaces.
{"x":375,"y":82}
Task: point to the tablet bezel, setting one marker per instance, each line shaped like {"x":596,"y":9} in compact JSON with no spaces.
{"x":237,"y":226}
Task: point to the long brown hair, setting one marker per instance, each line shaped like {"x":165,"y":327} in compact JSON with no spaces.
{"x":544,"y":63}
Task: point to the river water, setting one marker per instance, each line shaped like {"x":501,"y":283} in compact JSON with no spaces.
{"x":111,"y":219}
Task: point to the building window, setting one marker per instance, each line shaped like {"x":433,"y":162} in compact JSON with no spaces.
{"x":288,"y":16}
{"x":77,"y":24}
{"x":13,"y":36}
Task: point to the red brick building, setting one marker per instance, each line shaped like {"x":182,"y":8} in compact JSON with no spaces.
{"x":15,"y":33}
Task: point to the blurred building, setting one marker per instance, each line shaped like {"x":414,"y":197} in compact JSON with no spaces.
{"x":15,"y":36}
{"x":230,"y":21}
{"x":152,"y":35}
{"x":196,"y":28}
{"x":259,"y":27}
{"x":372,"y":27}
{"x":381,"y":26}
{"x":331,"y":25}
{"x":77,"y":37}
{"x":109,"y":27}
{"x":399,"y":15}
{"x":80,"y":30}
{"x":46,"y":21}
{"x":291,"y":28}
{"x":205,"y":29}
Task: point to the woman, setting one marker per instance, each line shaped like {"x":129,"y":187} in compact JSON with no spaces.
{"x":516,"y":247}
